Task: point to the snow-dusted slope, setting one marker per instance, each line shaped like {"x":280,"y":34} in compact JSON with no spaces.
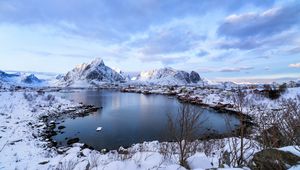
{"x":169,"y":76}
{"x":18,"y":79}
{"x":123,"y":74}
{"x":94,"y":73}
{"x":31,"y":79}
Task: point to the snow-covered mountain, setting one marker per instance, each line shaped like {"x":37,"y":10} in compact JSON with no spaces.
{"x":18,"y":79}
{"x":6,"y":77}
{"x":169,"y":76}
{"x":123,"y":74}
{"x":228,"y":85}
{"x":31,"y":79}
{"x":94,"y":73}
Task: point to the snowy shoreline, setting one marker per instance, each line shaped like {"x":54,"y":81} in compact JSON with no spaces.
{"x":29,"y":149}
{"x":21,"y":145}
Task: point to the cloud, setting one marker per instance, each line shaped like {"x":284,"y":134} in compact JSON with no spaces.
{"x":109,"y":20}
{"x":288,"y":37}
{"x":248,"y":58}
{"x":272,"y":28}
{"x":267,"y":23}
{"x":294,"y":50}
{"x":295,"y":65}
{"x":165,"y":60}
{"x":202,"y":53}
{"x":164,"y":40}
{"x":46,"y":54}
{"x":238,"y":44}
{"x":223,"y":55}
{"x":235,"y":69}
{"x":224,"y":69}
{"x":259,"y":80}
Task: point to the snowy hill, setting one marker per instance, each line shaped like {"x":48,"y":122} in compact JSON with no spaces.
{"x":31,"y":79}
{"x":123,"y":74}
{"x":169,"y":76}
{"x":18,"y":79}
{"x":6,"y":77}
{"x":94,"y":73}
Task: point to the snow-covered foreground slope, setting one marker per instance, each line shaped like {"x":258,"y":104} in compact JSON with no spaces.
{"x":22,"y":148}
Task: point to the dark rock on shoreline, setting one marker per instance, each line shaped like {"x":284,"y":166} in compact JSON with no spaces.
{"x":61,"y":127}
{"x":73,"y":140}
{"x":273,"y":159}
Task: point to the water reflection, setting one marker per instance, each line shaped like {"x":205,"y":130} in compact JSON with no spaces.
{"x":129,"y":118}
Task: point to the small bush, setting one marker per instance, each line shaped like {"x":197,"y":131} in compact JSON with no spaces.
{"x":29,"y":97}
{"x":66,"y":165}
{"x":273,"y":92}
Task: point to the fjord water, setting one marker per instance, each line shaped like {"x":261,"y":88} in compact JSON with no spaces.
{"x":129,"y":118}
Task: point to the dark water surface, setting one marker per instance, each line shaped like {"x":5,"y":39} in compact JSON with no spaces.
{"x":128,"y":118}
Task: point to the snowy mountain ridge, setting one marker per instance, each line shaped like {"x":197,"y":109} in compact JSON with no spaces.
{"x":169,"y":76}
{"x":97,"y":73}
{"x":18,"y":79}
{"x":94,"y":73}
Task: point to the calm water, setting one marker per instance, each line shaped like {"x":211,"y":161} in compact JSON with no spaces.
{"x":128,"y":118}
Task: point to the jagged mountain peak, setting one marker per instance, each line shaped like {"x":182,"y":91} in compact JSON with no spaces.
{"x":169,"y":76}
{"x":94,"y":72}
{"x":30,"y":79}
{"x":98,"y":62}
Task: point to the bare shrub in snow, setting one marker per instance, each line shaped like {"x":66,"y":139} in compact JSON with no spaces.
{"x":167,"y":149}
{"x":66,"y":165}
{"x":289,"y":123}
{"x":208,"y":147}
{"x":184,"y":129}
{"x":50,"y":98}
{"x":124,"y":154}
{"x":279,"y":127}
{"x":239,"y":151}
{"x":273,"y":92}
{"x":29,"y":96}
{"x":239,"y":145}
{"x":267,"y":129}
{"x":93,"y":159}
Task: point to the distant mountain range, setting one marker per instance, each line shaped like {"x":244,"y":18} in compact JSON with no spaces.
{"x":97,"y":73}
{"x":169,"y":76}
{"x":19,"y":79}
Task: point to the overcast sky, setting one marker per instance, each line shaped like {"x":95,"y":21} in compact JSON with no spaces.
{"x":225,"y":40}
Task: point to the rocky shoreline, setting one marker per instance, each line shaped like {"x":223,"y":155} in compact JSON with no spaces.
{"x":195,"y":100}
{"x":50,"y":123}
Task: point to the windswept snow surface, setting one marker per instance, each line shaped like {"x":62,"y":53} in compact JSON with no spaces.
{"x":20,"y":148}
